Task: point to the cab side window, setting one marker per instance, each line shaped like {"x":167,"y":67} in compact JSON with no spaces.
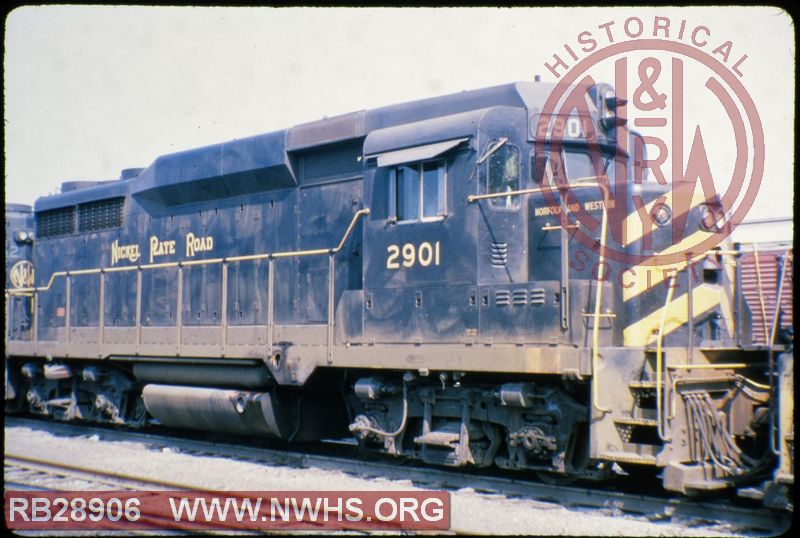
{"x":418,"y":191}
{"x":503,"y":175}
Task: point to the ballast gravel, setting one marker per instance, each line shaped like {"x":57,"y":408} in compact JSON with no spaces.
{"x":472,"y":512}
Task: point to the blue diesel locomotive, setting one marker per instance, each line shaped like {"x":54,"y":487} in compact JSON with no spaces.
{"x":409,"y":276}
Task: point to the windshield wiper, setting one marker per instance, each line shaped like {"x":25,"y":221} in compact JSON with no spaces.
{"x":494,"y":146}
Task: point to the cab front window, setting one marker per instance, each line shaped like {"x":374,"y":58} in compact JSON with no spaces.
{"x":503,"y":175}
{"x":569,"y":166}
{"x":579,"y":167}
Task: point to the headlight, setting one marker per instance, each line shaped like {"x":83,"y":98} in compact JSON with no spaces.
{"x":663,"y":215}
{"x":711,"y":218}
{"x":23,"y":236}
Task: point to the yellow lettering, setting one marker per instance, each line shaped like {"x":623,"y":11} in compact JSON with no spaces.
{"x":21,"y":275}
{"x":159,"y":248}
{"x":426,"y":254}
{"x":123,"y":252}
{"x":196,"y":244}
{"x":153,"y":247}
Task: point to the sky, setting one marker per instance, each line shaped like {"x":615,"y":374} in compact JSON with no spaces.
{"x":90,"y":90}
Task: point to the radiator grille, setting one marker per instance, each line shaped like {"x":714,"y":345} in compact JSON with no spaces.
{"x":101,"y":215}
{"x":55,"y":222}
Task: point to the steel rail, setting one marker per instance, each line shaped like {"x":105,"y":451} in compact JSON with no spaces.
{"x":50,"y":470}
{"x":119,"y":480}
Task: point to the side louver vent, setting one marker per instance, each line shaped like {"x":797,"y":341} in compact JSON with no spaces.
{"x":537,"y":296}
{"x":520,"y":297}
{"x":499,"y":254}
{"x":502,"y":298}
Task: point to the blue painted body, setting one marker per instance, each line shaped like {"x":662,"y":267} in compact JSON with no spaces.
{"x":298,"y":189}
{"x":19,"y":253}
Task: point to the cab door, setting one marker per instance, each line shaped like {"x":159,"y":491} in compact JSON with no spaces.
{"x":508,"y":300}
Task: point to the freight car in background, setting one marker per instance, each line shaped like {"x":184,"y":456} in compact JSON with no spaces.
{"x":401,"y":275}
{"x":764,"y":267}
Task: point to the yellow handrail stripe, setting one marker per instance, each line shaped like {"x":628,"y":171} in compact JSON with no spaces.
{"x":249,"y":257}
{"x":360,"y":212}
{"x":659,"y":366}
{"x":760,"y":291}
{"x":596,"y":328}
{"x":203,"y":262}
{"x":474,"y":197}
{"x":717,"y":366}
{"x":778,"y":286}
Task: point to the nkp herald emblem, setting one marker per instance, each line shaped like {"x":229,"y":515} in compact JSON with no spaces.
{"x":21,"y":275}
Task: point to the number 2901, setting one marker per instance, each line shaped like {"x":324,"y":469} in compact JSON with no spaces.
{"x":424,"y":254}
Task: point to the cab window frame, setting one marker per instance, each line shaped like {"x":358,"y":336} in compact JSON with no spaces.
{"x":502,"y":203}
{"x":537,"y":173}
{"x":441,"y":189}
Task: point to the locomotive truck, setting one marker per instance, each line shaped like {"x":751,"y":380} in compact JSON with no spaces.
{"x":404,"y":275}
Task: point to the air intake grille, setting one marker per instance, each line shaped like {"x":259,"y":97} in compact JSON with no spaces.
{"x":499,"y":254}
{"x":537,"y":296}
{"x":55,"y":222}
{"x":100,"y":215}
{"x":519,"y":297}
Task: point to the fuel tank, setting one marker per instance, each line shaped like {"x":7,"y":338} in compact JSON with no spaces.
{"x":292,"y":416}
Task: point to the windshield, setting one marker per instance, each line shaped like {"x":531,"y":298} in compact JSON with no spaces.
{"x":573,"y":165}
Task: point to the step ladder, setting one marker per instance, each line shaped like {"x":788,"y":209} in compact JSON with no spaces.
{"x":638,"y":430}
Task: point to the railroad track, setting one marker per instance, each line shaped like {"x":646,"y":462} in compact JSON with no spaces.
{"x":344,"y":458}
{"x":35,"y":474}
{"x":23,"y":472}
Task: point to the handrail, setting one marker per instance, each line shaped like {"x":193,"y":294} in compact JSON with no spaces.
{"x":596,"y":327}
{"x":713,"y":366}
{"x":779,"y":297}
{"x":661,"y":392}
{"x":248,"y":257}
{"x":361,"y":212}
{"x":473,"y":197}
{"x":760,"y":290}
{"x":773,"y":423}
